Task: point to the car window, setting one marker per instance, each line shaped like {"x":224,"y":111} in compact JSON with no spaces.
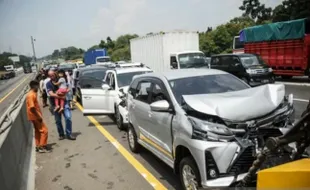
{"x":143,"y":91}
{"x":108,"y":79}
{"x":92,"y":79}
{"x":226,"y":60}
{"x":206,"y":84}
{"x":133,"y":87}
{"x":124,"y":79}
{"x":112,"y":81}
{"x":158,"y":94}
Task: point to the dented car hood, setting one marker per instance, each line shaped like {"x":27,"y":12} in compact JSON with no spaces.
{"x":239,"y":105}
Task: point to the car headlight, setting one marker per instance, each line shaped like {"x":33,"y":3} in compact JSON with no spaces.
{"x":270,"y":70}
{"x":251,"y":71}
{"x":204,"y":130}
{"x":290,"y":99}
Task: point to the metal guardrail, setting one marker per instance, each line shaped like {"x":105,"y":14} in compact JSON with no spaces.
{"x":6,"y":119}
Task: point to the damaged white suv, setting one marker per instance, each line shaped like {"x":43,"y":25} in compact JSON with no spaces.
{"x":206,"y":124}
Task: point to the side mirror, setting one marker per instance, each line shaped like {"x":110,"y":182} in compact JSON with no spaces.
{"x":121,"y":90}
{"x":174,"y":65}
{"x":160,"y":106}
{"x":105,"y":87}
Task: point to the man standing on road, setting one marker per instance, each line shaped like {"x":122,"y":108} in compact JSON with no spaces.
{"x":51,"y":91}
{"x":35,"y":116}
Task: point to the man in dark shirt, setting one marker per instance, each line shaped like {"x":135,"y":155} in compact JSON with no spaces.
{"x":51,"y":90}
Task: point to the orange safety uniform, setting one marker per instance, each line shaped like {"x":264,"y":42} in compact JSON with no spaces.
{"x":41,"y":131}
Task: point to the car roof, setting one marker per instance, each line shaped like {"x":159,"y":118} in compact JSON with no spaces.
{"x":231,"y":54}
{"x":183,"y":73}
{"x":130,"y":69}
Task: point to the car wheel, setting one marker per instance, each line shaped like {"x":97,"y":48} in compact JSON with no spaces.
{"x":189,"y":174}
{"x":132,"y":139}
{"x":118,"y":119}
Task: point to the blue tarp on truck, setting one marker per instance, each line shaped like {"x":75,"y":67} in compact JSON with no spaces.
{"x":91,"y":55}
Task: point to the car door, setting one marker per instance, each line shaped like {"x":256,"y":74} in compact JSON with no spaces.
{"x":141,"y":108}
{"x":159,"y":127}
{"x":97,"y":101}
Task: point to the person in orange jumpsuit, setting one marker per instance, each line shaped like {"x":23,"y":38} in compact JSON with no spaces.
{"x":35,"y":116}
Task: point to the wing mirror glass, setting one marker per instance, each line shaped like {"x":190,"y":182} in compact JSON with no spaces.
{"x":105,"y":87}
{"x":160,"y":106}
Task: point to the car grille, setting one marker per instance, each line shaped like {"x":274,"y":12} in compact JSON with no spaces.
{"x":261,"y":71}
{"x":243,"y":162}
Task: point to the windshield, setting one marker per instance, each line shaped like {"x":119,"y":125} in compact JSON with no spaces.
{"x":251,"y":60}
{"x":92,"y":78}
{"x":207,"y":84}
{"x":124,"y":79}
{"x":238,"y":44}
{"x":103,"y":59}
{"x":192,"y":60}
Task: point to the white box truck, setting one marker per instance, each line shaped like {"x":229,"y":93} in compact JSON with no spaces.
{"x":171,"y":50}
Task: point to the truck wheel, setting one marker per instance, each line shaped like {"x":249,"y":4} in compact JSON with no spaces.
{"x":133,"y":140}
{"x":286,"y":77}
{"x":118,"y":119}
{"x":189,"y":174}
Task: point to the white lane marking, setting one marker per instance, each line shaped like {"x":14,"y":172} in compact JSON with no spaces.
{"x":300,"y":100}
{"x":294,"y":84}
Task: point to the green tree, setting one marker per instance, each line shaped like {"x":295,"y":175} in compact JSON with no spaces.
{"x":110,"y":43}
{"x":255,"y":10}
{"x":56,"y":54}
{"x":94,"y":47}
{"x":291,"y":10}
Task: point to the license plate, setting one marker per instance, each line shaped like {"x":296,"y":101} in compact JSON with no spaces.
{"x":265,"y":81}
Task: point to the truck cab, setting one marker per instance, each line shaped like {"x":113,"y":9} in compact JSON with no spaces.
{"x":188,"y":59}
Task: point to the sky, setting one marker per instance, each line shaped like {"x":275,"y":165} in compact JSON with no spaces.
{"x":83,"y":23}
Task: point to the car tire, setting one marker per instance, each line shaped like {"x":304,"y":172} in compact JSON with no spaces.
{"x":118,"y":119}
{"x":188,"y":168}
{"x":133,"y":139}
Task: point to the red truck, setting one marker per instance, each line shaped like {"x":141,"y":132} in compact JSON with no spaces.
{"x":284,"y":46}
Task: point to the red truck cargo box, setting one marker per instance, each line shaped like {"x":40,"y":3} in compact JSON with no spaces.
{"x":286,"y":57}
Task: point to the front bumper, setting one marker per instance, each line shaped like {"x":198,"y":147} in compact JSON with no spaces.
{"x":261,"y":79}
{"x":124,"y":113}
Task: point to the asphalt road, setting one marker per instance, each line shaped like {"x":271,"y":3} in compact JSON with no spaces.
{"x":101,"y":159}
{"x":10,"y":90}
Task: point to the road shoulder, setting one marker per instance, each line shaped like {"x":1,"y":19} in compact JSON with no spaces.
{"x":90,"y":162}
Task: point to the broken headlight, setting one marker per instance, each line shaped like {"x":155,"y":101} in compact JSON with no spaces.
{"x":205,"y":130}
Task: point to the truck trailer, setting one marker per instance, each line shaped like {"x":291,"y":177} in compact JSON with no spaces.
{"x":284,"y":46}
{"x":171,"y":50}
{"x":95,"y":56}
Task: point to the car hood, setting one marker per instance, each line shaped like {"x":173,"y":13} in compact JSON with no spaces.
{"x":239,"y":105}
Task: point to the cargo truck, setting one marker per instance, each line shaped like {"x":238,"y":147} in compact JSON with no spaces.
{"x":171,"y":50}
{"x":27,"y":68}
{"x":96,"y":56}
{"x":284,"y":46}
{"x":8,"y":73}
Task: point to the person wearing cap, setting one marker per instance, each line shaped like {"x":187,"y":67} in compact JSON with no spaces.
{"x":51,"y":91}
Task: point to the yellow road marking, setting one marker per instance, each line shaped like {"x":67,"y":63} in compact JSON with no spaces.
{"x":149,"y":141}
{"x":8,"y":94}
{"x":130,"y":158}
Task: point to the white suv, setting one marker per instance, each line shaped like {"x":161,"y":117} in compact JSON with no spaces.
{"x":105,"y":101}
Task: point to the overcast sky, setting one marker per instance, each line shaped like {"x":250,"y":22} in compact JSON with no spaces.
{"x":83,"y":23}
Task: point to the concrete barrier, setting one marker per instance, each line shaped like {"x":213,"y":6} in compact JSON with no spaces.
{"x":16,"y":148}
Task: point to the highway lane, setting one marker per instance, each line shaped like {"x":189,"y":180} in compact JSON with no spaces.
{"x":10,"y":90}
{"x":90,"y":163}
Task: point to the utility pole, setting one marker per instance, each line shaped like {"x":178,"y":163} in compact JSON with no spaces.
{"x":33,"y":49}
